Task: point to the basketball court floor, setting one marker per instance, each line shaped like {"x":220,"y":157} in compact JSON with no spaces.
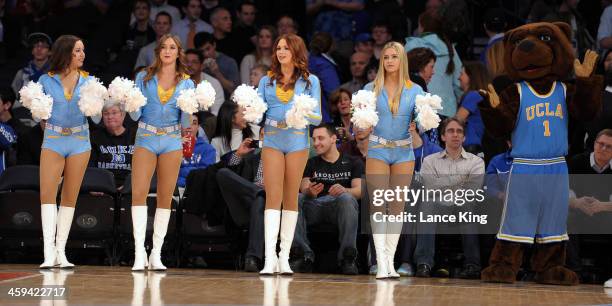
{"x":94,"y":285}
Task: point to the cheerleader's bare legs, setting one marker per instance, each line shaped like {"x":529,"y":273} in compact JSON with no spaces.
{"x":282,"y":176}
{"x":56,"y":225}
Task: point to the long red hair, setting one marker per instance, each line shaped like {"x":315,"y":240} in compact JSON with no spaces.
{"x":181,"y":68}
{"x":300,"y":61}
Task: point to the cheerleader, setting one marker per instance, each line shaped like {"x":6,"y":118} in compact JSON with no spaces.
{"x":65,"y":147}
{"x":285,"y":150}
{"x":158,"y":145}
{"x":390,"y":158}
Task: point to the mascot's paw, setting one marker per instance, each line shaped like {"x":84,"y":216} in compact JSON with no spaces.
{"x":584,"y":69}
{"x":557,"y":275}
{"x":498,"y":274}
{"x":490,"y":95}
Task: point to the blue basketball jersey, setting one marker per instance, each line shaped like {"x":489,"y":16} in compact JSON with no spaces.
{"x":541,"y":127}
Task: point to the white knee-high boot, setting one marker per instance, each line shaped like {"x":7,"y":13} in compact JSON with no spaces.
{"x":160,"y":227}
{"x":139,"y":227}
{"x":390,"y":247}
{"x":271,"y":226}
{"x":64,"y":222}
{"x":379,"y":230}
{"x":288,"y":222}
{"x":48,"y":215}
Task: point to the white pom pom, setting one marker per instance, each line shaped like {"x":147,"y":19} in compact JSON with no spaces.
{"x":126,"y":92}
{"x":187,"y":102}
{"x":247,"y":97}
{"x":205,"y":95}
{"x":41,"y":107}
{"x":303,"y":106}
{"x":134,"y":100}
{"x":33,"y":97}
{"x":363,"y":109}
{"x":427,"y":118}
{"x":93,"y":95}
{"x":434,"y":101}
{"x":29,"y":92}
{"x":364,"y":98}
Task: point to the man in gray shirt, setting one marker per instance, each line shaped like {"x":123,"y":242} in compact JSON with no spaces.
{"x":217,"y":64}
{"x":452,"y":169}
{"x":161,"y":26}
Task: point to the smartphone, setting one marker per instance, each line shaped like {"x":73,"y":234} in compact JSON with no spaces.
{"x":254,"y":144}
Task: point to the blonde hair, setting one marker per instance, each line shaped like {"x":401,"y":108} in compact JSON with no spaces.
{"x":495,"y":59}
{"x":379,"y":81}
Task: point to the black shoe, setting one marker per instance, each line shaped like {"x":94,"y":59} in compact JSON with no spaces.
{"x":470,"y":271}
{"x":301,"y":264}
{"x":347,"y":265}
{"x":423,"y":270}
{"x":252,"y":264}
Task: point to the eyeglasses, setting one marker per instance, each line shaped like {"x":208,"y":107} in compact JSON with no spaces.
{"x":603,"y":146}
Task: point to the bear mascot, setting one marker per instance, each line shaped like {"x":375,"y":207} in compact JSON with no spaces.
{"x":533,"y":112}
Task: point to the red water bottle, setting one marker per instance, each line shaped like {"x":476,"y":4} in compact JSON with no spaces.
{"x":188,"y":144}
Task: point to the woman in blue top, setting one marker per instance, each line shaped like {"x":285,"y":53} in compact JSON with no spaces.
{"x":65,"y":147}
{"x":285,"y":150}
{"x":390,"y":160}
{"x":158,"y":145}
{"x":474,"y":77}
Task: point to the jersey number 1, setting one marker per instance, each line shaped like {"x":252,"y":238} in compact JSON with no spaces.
{"x":546,"y":128}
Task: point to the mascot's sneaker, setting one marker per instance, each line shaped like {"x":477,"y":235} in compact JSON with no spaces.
{"x":557,"y":275}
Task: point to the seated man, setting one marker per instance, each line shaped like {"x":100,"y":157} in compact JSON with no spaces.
{"x":245,"y":197}
{"x":330,"y":189}
{"x":467,"y":174}
{"x":202,"y":154}
{"x":112,"y":146}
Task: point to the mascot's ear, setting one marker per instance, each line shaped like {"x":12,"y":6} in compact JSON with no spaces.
{"x":565,"y":28}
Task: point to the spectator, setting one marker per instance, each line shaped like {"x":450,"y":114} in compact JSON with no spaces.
{"x":421,"y":63}
{"x":221,"y":21}
{"x":447,"y":68}
{"x":365,"y":44}
{"x":217,"y":64}
{"x":473,"y":78}
{"x":588,"y":195}
{"x":358,"y":147}
{"x":286,"y":25}
{"x":245,"y":197}
{"x":8,"y":137}
{"x":468,"y":171}
{"x":194,"y":60}
{"x":244,"y":28}
{"x":604,"y":32}
{"x":381,"y":35}
{"x":604,"y":119}
{"x":372,"y":69}
{"x":162,"y":26}
{"x":335,"y":18}
{"x":321,"y":64}
{"x":207,"y":7}
{"x":141,"y":32}
{"x":340,"y":102}
{"x":231,"y":130}
{"x":359,"y":61}
{"x":329,"y":193}
{"x":257,"y":73}
{"x":187,"y":28}
{"x":203,"y":154}
{"x":158,"y":6}
{"x":40,"y":44}
{"x":7,"y":99}
{"x":494,"y":25}
{"x":261,"y":55}
{"x":112,"y":146}
{"x":29,"y":146}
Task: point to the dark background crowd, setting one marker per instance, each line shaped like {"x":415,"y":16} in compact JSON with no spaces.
{"x":454,"y":49}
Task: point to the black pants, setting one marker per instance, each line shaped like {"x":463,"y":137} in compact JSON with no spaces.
{"x":245,"y":202}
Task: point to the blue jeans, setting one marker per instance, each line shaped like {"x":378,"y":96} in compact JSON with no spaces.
{"x":426,"y":238}
{"x":342,"y":211}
